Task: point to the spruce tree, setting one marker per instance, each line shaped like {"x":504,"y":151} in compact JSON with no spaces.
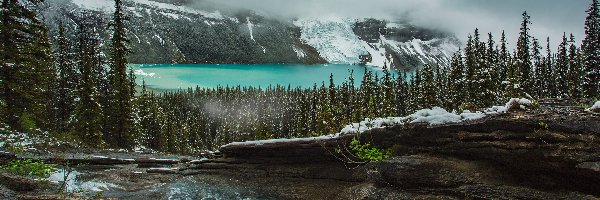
{"x":548,"y":81}
{"x":503,"y":59}
{"x":88,"y":112}
{"x":471,"y":67}
{"x":401,"y":91}
{"x":561,"y":69}
{"x":523,"y":62}
{"x":67,"y":83}
{"x":121,"y":115}
{"x":388,"y":108}
{"x":429,"y":90}
{"x":539,"y":70}
{"x":26,"y":66}
{"x":493,"y":65}
{"x":591,"y":51}
{"x":575,"y":72}
{"x":456,"y":82}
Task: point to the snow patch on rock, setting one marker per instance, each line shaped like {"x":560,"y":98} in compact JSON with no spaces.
{"x":250,"y":25}
{"x":595,"y":107}
{"x":299,"y":52}
{"x":433,"y":117}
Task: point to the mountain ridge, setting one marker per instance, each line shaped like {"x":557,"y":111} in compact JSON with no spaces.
{"x":162,"y":32}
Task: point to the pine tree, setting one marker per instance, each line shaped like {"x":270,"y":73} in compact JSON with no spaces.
{"x":548,"y":81}
{"x":503,"y":59}
{"x":471,"y":67}
{"x":575,"y":72}
{"x":26,"y":66}
{"x":493,"y":65}
{"x":428,"y":88}
{"x":561,"y":69}
{"x":388,"y":108}
{"x":121,"y":114}
{"x":401,"y":91}
{"x":88,"y":112}
{"x":441,"y":75}
{"x":523,"y":62}
{"x":539,"y":69}
{"x":67,"y":84}
{"x":513,"y":87}
{"x":456,"y":82}
{"x":591,"y":51}
{"x":416,"y":92}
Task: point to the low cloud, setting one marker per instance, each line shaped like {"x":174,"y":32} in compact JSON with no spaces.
{"x":549,"y":17}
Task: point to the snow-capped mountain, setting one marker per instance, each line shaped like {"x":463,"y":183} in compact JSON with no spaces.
{"x":167,"y":31}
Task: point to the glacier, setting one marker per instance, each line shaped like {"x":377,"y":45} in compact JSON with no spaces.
{"x":333,"y":38}
{"x":336,"y":41}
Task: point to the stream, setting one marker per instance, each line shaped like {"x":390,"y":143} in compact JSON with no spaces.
{"x":91,"y":183}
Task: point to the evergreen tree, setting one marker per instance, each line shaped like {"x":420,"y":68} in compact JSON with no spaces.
{"x":548,"y":81}
{"x":88,"y":112}
{"x":503,"y":59}
{"x":416,"y":92}
{"x":561,"y":69}
{"x":121,"y":115}
{"x":388,"y":108}
{"x":26,"y":67}
{"x":539,"y":69}
{"x":575,"y":72}
{"x":513,"y":87}
{"x":591,"y":51}
{"x":456,"y":82}
{"x":429,"y":90}
{"x":67,"y":84}
{"x":401,"y":91}
{"x":523,"y":62}
{"x":471,"y":66}
{"x":493,"y":65}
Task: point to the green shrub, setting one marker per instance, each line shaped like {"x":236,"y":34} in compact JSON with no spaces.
{"x":29,"y":168}
{"x":367,"y":153}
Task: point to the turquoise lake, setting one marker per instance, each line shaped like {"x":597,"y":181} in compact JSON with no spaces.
{"x":183,"y":76}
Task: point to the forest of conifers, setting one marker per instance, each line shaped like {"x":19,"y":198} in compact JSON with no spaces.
{"x":73,"y":91}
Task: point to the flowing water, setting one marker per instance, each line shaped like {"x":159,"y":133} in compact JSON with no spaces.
{"x":183,"y":76}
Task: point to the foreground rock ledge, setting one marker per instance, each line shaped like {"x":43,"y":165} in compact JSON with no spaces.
{"x":503,"y":157}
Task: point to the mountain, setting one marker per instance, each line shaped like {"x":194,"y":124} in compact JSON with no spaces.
{"x":168,"y":31}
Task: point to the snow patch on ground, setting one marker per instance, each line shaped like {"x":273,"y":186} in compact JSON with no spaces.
{"x":433,"y":117}
{"x":595,"y":107}
{"x":274,"y":141}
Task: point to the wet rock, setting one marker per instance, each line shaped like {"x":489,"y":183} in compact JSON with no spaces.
{"x":517,"y":156}
{"x":18,"y":183}
{"x":7,"y":194}
{"x":162,"y":171}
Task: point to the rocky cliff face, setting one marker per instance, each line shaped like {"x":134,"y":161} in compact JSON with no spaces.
{"x":524,"y":155}
{"x":168,"y":31}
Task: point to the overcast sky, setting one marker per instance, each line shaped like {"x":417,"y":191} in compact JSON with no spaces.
{"x":549,"y":17}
